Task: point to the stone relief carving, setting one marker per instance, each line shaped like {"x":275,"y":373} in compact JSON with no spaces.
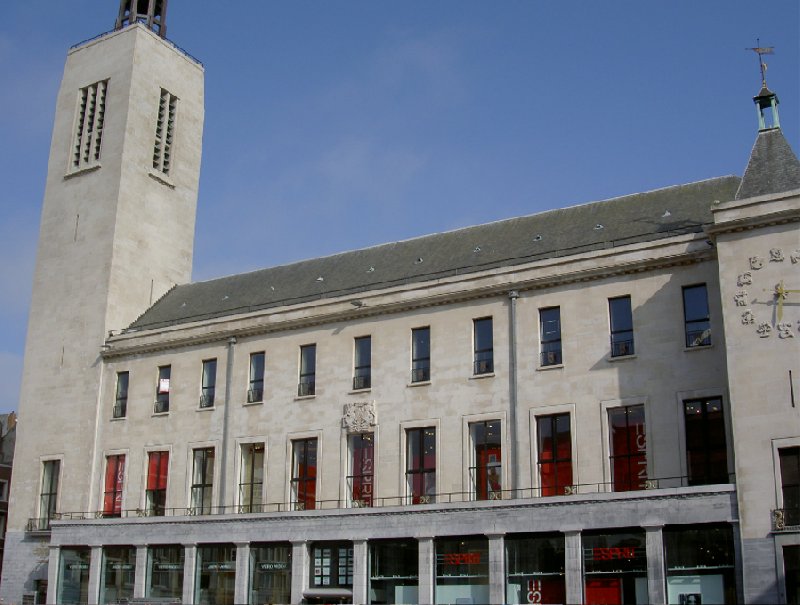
{"x":756,"y":262}
{"x":764,"y":329}
{"x":776,"y":255}
{"x":740,"y":298}
{"x":359,"y":417}
{"x":745,"y":279}
{"x":785,"y":329}
{"x":748,"y":318}
{"x":795,"y":257}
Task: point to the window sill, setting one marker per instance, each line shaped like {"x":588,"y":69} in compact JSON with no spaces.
{"x":698,"y":348}
{"x":159,"y":414}
{"x":209,"y":408}
{"x":421,"y":383}
{"x":118,"y":418}
{"x":304,"y":397}
{"x":161,"y":178}
{"x":621,"y":358}
{"x":82,"y":170}
{"x":480,"y":376}
{"x":555,"y":366}
{"x":251,"y":403}
{"x":359,"y":391}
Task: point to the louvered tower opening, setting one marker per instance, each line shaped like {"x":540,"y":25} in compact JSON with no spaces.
{"x":151,"y":13}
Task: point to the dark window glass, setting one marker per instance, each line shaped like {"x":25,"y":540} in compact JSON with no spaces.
{"x":462,"y":569}
{"x":215,"y":574}
{"x":555,"y":454}
{"x":308,"y":370}
{"x":483,"y":362}
{"x":209,"y":383}
{"x":790,"y":484}
{"x":362,"y":363}
{"x":156,"y":491}
{"x":255,"y":390}
{"x":550,"y":336}
{"x":487,"y":474}
{"x":615,"y":567}
{"x":421,"y":464}
{"x":332,"y":565}
{"x":393,"y":571}
{"x":706,"y":551}
{"x":696,"y":317}
{"x":48,"y":499}
{"x":791,"y":569}
{"x":202,"y":480}
{"x":362,"y":467}
{"x":251,"y":479}
{"x":535,"y":568}
{"x":420,"y":354}
{"x":270,"y":573}
{"x":112,"y":495}
{"x":706,"y":449}
{"x":621,"y":319}
{"x":119,"y":572}
{"x":628,"y":437}
{"x":121,"y":399}
{"x":162,"y":390}
{"x":304,"y":474}
{"x":165,"y":567}
{"x":73,"y":580}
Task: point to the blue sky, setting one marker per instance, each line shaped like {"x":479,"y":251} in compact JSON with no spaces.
{"x":342,"y":124}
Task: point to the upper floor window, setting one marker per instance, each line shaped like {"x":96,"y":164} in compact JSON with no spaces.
{"x":202,"y":480}
{"x":165,"y":132}
{"x":162,"y":390}
{"x":550,"y":336}
{"x":251,"y":478}
{"x":790,"y":484}
{"x":209,"y":383}
{"x":628,"y":438}
{"x":121,"y":399}
{"x":554,"y":448}
{"x":706,"y":447}
{"x":308,"y":370}
{"x":697,"y":323}
{"x":362,"y":466}
{"x":420,"y":354}
{"x":487,"y":471}
{"x":483,"y":361}
{"x":112,"y":494}
{"x":3,"y":490}
{"x":156,"y":490}
{"x":421,"y":464}
{"x":332,"y":564}
{"x":255,"y":390}
{"x":621,"y":321}
{"x":304,"y":474}
{"x":362,"y":363}
{"x":89,"y":125}
{"x":48,"y":495}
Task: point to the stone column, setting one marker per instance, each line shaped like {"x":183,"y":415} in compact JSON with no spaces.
{"x":426,"y":571}
{"x":497,"y":569}
{"x":738,"y":559}
{"x":360,"y":572}
{"x":242,"y":573}
{"x":95,"y":569}
{"x":189,"y":562}
{"x":573,"y":566}
{"x":656,"y":582}
{"x":140,"y":579}
{"x":52,"y":574}
{"x":300,"y":563}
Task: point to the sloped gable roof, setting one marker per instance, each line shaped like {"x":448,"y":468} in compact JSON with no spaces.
{"x":772,"y":168}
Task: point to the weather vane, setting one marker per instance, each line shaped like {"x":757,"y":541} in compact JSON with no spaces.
{"x":761,"y":51}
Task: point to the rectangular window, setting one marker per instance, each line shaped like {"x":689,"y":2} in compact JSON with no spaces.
{"x":615,"y":566}
{"x":251,"y":478}
{"x":421,"y":464}
{"x":483,"y":361}
{"x":696,"y":318}
{"x":215,"y":574}
{"x":362,"y":465}
{"x":394,"y":571}
{"x":420,"y":354}
{"x":550,"y":336}
{"x":535,"y":568}
{"x":162,"y":390}
{"x":706,"y":448}
{"x":270,"y":573}
{"x":621,"y":321}
{"x":462,"y":569}
{"x":73,"y":575}
{"x":202,"y":480}
{"x":304,"y":474}
{"x":700,"y":564}
{"x":332,"y":564}
{"x":362,"y":363}
{"x":209,"y":383}
{"x":165,"y":572}
{"x":790,"y":484}
{"x":119,"y":572}
{"x":165,"y":132}
{"x":121,"y":399}
{"x":554,"y":443}
{"x":112,"y":494}
{"x":487,"y":472}
{"x":628,"y":447}
{"x":156,"y":490}
{"x":255,"y":390}
{"x":48,"y":498}
{"x":308,"y":371}
{"x":89,"y":125}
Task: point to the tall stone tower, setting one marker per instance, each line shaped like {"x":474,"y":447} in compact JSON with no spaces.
{"x":117,"y":230}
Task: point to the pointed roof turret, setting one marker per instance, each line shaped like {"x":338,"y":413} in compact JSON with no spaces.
{"x":151,"y":13}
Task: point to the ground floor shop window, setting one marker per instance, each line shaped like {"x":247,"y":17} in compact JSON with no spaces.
{"x":73,"y":575}
{"x":700,"y":564}
{"x":615,"y":568}
{"x":165,"y":572}
{"x":462,"y":569}
{"x":332,"y":564}
{"x":791,"y":571}
{"x":270,"y":573}
{"x":119,"y":572}
{"x":393,"y":571}
{"x":215,"y":574}
{"x":535,"y":568}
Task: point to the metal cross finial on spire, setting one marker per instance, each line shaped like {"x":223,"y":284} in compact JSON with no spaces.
{"x":761,"y":51}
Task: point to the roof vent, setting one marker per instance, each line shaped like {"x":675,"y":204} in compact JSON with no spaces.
{"x":538,"y":237}
{"x":477,"y":249}
{"x":320,"y":278}
{"x":598,"y":226}
{"x":418,"y":261}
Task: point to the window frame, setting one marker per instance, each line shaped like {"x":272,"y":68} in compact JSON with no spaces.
{"x":199,"y":491}
{"x":303,"y":499}
{"x":709,"y":477}
{"x":362,"y":370}
{"x":480,"y":472}
{"x":53,"y":496}
{"x":630,"y":456}
{"x":255,"y":385}
{"x":208,"y":383}
{"x":482,"y":356}
{"x":704,"y":339}
{"x":161,"y":405}
{"x":551,"y":352}
{"x":120,"y":408}
{"x":424,"y":495}
{"x":552,"y":417}
{"x":115,"y":476}
{"x":307,"y":379}
{"x":251,"y":506}
{"x":621,"y":346}
{"x":334,"y":564}
{"x":360,"y":482}
{"x":420,"y":363}
{"x":152,"y":496}
{"x":88,"y":126}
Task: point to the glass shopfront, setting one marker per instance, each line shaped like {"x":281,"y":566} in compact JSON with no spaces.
{"x":73,"y":575}
{"x":215,"y":574}
{"x":165,"y":572}
{"x":700,"y":564}
{"x":535,"y":568}
{"x":393,"y":571}
{"x":119,"y":572}
{"x":462,"y":569}
{"x":615,"y":567}
{"x":270,"y":573}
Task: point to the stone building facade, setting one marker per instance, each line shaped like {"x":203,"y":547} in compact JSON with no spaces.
{"x":595,"y":404}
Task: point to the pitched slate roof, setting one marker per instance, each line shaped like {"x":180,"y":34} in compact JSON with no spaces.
{"x":557,"y":233}
{"x":772,"y":167}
